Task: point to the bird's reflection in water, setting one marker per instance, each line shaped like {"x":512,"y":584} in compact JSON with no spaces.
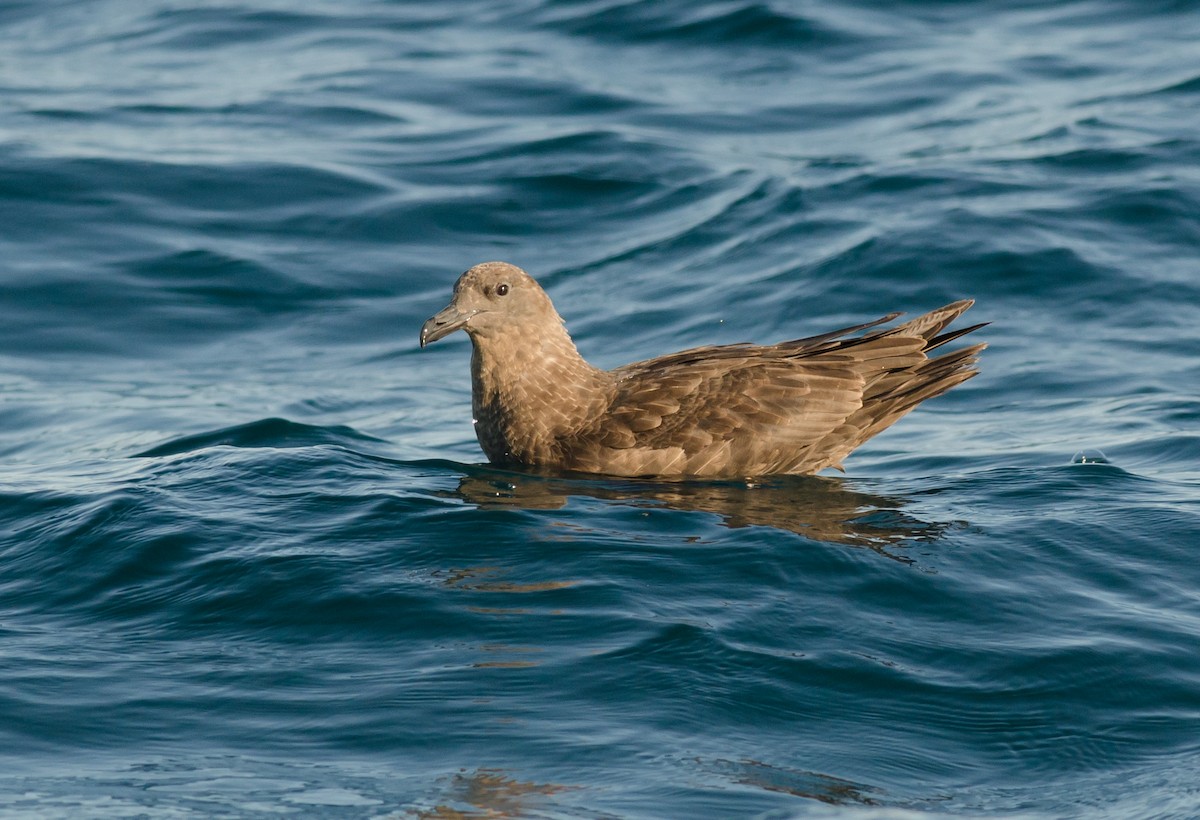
{"x":490,"y":793}
{"x":817,"y":508}
{"x":812,"y":785}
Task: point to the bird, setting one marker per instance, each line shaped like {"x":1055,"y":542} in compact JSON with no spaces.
{"x":732,"y":411}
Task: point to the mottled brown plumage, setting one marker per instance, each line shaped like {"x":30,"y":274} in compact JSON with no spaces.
{"x":723,"y":411}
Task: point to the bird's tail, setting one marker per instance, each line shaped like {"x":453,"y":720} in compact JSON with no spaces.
{"x":894,"y":391}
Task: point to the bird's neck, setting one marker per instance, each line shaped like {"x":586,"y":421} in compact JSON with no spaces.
{"x":530,"y":390}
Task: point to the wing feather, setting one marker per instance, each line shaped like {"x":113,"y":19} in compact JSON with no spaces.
{"x":793,"y":407}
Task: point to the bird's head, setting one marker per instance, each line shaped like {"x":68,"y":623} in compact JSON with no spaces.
{"x":488,"y":298}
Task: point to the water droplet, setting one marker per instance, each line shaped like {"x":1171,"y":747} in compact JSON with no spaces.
{"x":1089,"y":457}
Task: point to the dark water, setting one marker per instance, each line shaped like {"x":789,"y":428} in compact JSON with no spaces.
{"x":251,"y":564}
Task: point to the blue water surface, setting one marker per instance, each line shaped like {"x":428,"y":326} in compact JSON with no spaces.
{"x":252,"y":562}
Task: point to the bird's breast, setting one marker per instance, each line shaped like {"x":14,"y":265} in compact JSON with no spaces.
{"x":527,"y":406}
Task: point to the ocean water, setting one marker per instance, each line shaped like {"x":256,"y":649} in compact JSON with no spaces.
{"x":253,"y":564}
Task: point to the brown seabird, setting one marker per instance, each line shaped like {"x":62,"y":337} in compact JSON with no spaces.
{"x":724,"y":411}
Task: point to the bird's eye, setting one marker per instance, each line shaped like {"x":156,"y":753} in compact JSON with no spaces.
{"x":501,"y":289}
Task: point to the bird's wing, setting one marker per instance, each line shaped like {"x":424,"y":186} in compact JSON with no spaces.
{"x":746,"y":409}
{"x":796,"y":406}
